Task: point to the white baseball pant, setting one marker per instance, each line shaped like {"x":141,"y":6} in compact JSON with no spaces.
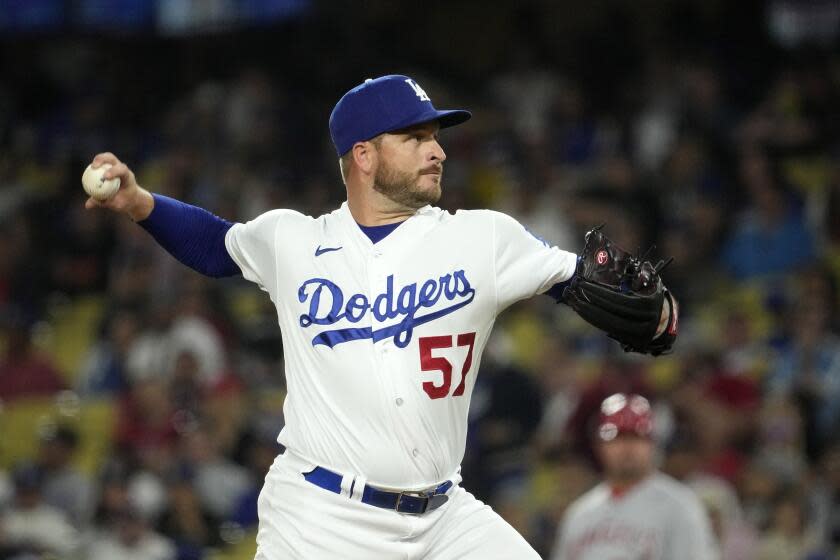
{"x":301,"y":521}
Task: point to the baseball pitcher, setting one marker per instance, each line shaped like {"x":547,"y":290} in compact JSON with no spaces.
{"x":385,"y":306}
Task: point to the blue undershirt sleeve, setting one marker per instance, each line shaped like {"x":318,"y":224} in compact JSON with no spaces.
{"x":556,"y":291}
{"x":192,"y":235}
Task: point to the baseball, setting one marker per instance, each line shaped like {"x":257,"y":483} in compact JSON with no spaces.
{"x":97,"y":187}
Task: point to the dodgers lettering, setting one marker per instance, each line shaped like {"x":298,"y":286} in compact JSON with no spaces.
{"x":327,"y":307}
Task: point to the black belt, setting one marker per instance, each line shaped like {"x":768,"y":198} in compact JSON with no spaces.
{"x":413,"y":502}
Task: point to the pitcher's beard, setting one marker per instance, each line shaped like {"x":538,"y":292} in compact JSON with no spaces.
{"x":402,"y":187}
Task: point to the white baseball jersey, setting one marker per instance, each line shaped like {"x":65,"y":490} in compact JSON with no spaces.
{"x":382,"y":341}
{"x":658,"y":519}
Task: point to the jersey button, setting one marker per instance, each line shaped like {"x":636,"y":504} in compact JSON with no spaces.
{"x":399,"y":401}
{"x":415,"y":452}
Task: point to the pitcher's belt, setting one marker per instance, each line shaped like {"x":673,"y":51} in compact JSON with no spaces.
{"x":415,"y":502}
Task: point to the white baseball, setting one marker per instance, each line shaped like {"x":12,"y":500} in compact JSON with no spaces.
{"x":97,"y":187}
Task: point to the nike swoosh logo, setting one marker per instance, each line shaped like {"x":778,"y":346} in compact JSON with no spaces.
{"x":319,"y":251}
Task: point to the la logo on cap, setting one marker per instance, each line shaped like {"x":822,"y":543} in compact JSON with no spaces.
{"x":418,"y":90}
{"x":382,"y":105}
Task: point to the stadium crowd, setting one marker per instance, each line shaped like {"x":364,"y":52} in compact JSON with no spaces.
{"x":140,"y":402}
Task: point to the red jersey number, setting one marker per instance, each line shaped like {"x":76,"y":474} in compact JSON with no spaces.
{"x":428,"y":362}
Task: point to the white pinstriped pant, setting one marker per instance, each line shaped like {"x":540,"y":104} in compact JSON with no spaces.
{"x":300,"y":521}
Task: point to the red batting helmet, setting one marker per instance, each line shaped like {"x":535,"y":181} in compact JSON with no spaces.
{"x":625,"y":414}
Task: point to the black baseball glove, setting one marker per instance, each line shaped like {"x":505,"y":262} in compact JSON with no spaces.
{"x":623,"y":295}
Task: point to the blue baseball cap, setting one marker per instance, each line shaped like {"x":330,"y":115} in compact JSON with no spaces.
{"x":382,"y":105}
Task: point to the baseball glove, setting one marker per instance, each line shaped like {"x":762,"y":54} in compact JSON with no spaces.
{"x":623,"y":295}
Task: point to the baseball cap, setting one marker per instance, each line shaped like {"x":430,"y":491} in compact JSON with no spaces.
{"x":385,"y":104}
{"x":625,"y":414}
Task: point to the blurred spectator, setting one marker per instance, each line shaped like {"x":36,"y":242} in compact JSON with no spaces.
{"x":195,"y":336}
{"x":31,"y":526}
{"x":113,"y":491}
{"x":7,"y":491}
{"x":259,"y":448}
{"x":119,"y":489}
{"x":64,"y":486}
{"x":147,"y":429}
{"x":655,"y":129}
{"x":807,"y":368}
{"x":743,"y":359}
{"x":795,"y":23}
{"x":556,"y":483}
{"x":780,"y":446}
{"x":715,"y":408}
{"x":574,"y":137}
{"x":148,"y":355}
{"x":706,"y":111}
{"x":219,"y":482}
{"x":196,"y":330}
{"x":771,"y":236}
{"x":190,"y":526}
{"x":185,"y":388}
{"x":147,"y":494}
{"x":543,"y":212}
{"x":790,"y":535}
{"x":780,"y":120}
{"x":80,"y":266}
{"x":826,"y":498}
{"x":254,"y":109}
{"x":19,"y":284}
{"x":618,"y":185}
{"x":104,"y":371}
{"x":505,"y":411}
{"x":24,"y":370}
{"x":695,"y":208}
{"x":831,"y":210}
{"x":129,"y":538}
{"x":561,"y":388}
{"x":736,"y":539}
{"x":758,"y":488}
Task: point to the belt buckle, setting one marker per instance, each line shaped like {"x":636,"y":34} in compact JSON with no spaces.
{"x":424,"y":495}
